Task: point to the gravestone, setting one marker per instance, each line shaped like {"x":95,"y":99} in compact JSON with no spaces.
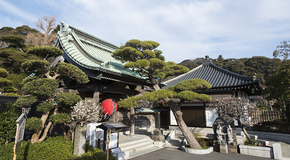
{"x":80,"y":140}
{"x":225,"y":133}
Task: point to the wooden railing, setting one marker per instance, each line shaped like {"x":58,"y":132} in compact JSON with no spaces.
{"x":262,"y":116}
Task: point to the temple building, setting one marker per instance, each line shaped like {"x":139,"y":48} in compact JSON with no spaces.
{"x":224,"y":84}
{"x":108,"y":77}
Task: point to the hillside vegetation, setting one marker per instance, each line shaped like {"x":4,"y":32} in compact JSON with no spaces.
{"x":263,"y":67}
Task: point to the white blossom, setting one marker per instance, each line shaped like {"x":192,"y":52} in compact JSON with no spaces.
{"x":235,"y":107}
{"x":87,"y":111}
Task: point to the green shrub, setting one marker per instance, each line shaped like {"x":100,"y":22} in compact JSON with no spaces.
{"x":94,"y":154}
{"x":10,"y":89}
{"x":51,"y":148}
{"x":8,"y":117}
{"x":6,"y":151}
{"x":200,"y":140}
{"x":60,"y":118}
{"x":33,"y":123}
{"x":16,"y":79}
{"x":7,"y":126}
{"x":249,"y":144}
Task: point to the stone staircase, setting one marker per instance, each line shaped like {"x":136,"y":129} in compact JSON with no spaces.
{"x":137,"y":145}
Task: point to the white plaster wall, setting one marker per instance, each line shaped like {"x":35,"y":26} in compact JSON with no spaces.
{"x":172,"y":119}
{"x":210,"y":116}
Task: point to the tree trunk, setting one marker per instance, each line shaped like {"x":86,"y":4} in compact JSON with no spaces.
{"x":35,"y":136}
{"x":45,"y":132}
{"x":132,"y":121}
{"x":245,"y":131}
{"x":181,"y":124}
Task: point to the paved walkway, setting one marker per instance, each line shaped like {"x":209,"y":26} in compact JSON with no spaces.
{"x":175,"y":154}
{"x":169,"y":153}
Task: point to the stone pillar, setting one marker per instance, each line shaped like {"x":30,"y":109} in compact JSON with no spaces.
{"x":132,"y":121}
{"x":157,"y":120}
{"x":277,"y":151}
{"x":223,"y":148}
{"x":80,"y":140}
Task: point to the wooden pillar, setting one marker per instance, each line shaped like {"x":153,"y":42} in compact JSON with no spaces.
{"x":105,"y":139}
{"x":96,"y":95}
{"x":132,"y":121}
{"x":108,"y":141}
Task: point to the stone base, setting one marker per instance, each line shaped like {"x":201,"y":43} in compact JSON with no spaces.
{"x":216,"y":146}
{"x":157,"y":136}
{"x":119,"y":155}
{"x":232,"y":148}
{"x":223,"y":148}
{"x":197,"y":151}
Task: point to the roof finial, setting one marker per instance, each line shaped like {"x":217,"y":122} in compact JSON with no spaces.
{"x":207,"y":61}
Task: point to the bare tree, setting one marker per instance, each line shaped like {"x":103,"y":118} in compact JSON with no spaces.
{"x":236,"y":108}
{"x":46,"y":25}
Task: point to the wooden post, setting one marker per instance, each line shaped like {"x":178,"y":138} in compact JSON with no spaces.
{"x":16,"y":137}
{"x":96,"y":95}
{"x":132,"y":121}
{"x":99,"y":143}
{"x":105,"y":140}
{"x":108,"y":141}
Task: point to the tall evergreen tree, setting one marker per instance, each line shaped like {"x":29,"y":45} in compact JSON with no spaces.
{"x":144,"y":58}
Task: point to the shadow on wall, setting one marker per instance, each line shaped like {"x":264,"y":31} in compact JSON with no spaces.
{"x":143,"y":122}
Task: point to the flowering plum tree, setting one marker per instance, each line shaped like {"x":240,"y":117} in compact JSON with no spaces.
{"x":87,"y":110}
{"x":236,"y":108}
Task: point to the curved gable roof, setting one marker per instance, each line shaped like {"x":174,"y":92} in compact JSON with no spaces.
{"x":91,"y":52}
{"x":216,"y":76}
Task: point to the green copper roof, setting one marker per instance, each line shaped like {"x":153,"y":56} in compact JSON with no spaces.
{"x":91,"y":52}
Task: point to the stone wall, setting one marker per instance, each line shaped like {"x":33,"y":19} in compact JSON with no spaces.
{"x":142,"y":120}
{"x":266,"y":152}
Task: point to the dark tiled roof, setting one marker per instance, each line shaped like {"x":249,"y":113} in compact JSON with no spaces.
{"x":216,"y":76}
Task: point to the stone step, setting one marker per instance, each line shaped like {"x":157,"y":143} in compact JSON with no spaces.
{"x":142,"y":131}
{"x":132,"y":143}
{"x":137,"y":146}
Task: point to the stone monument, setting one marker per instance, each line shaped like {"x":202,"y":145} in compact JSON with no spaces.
{"x":225,"y":133}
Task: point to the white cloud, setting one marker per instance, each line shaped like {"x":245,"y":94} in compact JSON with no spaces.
{"x":12,"y":9}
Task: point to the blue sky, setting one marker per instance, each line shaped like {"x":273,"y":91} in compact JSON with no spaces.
{"x":185,"y":29}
